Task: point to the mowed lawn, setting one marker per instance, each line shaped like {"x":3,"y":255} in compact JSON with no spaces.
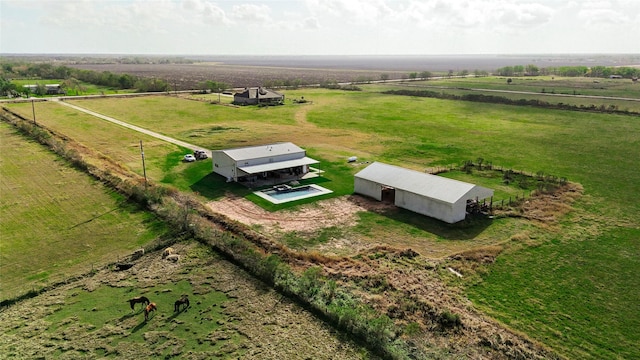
{"x":56,"y":221}
{"x":578,"y":274}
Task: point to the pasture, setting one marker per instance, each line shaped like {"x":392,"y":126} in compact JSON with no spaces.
{"x":554,"y":90}
{"x":231,"y":315}
{"x":56,"y":221}
{"x":544,"y":268}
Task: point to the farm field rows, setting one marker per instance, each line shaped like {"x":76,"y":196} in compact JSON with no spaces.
{"x":586,"y":148}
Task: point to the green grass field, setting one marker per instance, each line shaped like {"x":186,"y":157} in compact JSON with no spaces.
{"x":543,"y":88}
{"x":57,"y":221}
{"x":571,"y":286}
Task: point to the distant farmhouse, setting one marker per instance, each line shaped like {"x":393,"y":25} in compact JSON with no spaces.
{"x":50,"y":89}
{"x":276,"y":163}
{"x":435,"y":196}
{"x":258,"y":96}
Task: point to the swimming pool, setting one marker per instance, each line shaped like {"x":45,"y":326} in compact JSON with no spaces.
{"x":283,"y":193}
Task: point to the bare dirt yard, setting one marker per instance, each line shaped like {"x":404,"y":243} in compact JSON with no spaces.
{"x":306,"y":220}
{"x":339,"y":211}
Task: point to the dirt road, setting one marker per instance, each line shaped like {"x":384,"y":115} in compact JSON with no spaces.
{"x":130,"y":126}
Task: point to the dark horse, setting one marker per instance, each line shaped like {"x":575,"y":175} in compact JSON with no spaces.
{"x":184,"y":300}
{"x":149,"y":308}
{"x":138,"y":300}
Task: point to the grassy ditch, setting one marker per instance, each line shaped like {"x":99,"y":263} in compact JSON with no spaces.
{"x":46,"y":203}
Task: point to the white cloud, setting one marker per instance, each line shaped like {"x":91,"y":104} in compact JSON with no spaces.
{"x":320,"y":26}
{"x":352,"y":11}
{"x":253,"y":14}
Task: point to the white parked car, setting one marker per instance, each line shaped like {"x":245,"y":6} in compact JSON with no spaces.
{"x":189,"y":158}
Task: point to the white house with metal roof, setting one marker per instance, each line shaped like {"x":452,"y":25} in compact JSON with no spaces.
{"x":435,"y":196}
{"x":277,"y":161}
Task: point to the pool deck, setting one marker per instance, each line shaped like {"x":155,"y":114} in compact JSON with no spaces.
{"x":322,"y":191}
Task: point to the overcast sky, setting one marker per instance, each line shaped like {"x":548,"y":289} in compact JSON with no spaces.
{"x":320,"y":27}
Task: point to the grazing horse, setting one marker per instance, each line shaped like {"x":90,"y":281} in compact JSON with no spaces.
{"x":168,"y":251}
{"x":138,"y":300}
{"x":184,"y":300}
{"x":151,"y":307}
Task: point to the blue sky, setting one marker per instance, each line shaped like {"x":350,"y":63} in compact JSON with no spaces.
{"x":320,"y":27}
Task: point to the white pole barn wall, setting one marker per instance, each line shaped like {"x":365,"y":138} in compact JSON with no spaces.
{"x":430,"y":207}
{"x":368,"y":188}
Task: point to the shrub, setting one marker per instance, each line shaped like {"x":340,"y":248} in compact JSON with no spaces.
{"x":448,"y":320}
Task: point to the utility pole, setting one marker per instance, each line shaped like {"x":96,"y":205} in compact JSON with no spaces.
{"x":144,"y":169}
{"x":33,"y":108}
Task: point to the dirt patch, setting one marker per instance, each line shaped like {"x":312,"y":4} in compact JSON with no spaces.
{"x":340,"y":211}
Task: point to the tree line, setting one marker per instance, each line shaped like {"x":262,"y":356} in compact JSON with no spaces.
{"x":598,"y":71}
{"x":73,"y":78}
{"x":503,"y":100}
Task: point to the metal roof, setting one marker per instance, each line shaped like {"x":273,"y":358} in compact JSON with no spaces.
{"x":431,"y":186}
{"x":259,"y":93}
{"x":262,"y":151}
{"x":256,"y":169}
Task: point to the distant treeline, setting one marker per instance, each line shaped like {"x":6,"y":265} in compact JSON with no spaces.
{"x":570,"y":71}
{"x":503,"y":100}
{"x":72,"y":77}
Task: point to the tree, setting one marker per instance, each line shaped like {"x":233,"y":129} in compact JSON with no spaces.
{"x":7,"y":88}
{"x":505,"y":71}
{"x":413,"y":75}
{"x":41,"y":89}
{"x":126,"y":81}
{"x":71,"y":84}
{"x":425,"y":75}
{"x":532,"y":70}
{"x":518,"y":70}
{"x":384,"y":77}
{"x":509,"y":81}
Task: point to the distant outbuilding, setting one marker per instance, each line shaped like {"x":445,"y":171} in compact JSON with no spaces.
{"x":258,"y":96}
{"x":278,"y":163}
{"x":431,"y":195}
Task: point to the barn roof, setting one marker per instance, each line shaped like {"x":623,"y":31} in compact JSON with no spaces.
{"x":259,"y":93}
{"x":431,"y":186}
{"x":255,"y":152}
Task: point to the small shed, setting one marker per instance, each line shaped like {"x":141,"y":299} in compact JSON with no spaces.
{"x":431,"y":195}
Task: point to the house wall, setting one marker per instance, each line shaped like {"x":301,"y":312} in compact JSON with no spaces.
{"x":224,"y":165}
{"x":422,"y":205}
{"x":368,"y":188}
{"x":244,"y":100}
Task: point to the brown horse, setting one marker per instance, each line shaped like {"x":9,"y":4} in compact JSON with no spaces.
{"x":184,"y":300}
{"x":151,"y":307}
{"x":138,"y":300}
